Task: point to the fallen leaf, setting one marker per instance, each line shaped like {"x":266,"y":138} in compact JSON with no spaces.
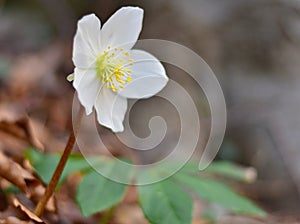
{"x":45,"y":135}
{"x":25,"y":210}
{"x":129,"y":214}
{"x":21,"y":129}
{"x":14,"y":173}
{"x":14,"y":220}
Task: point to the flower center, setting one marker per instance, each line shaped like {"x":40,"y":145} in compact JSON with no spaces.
{"x":112,"y":68}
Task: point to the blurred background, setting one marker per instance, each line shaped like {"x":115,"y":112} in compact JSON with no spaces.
{"x":252,"y":46}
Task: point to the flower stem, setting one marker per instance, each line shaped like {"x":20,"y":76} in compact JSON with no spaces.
{"x":60,"y":167}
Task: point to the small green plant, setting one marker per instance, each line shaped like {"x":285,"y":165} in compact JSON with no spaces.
{"x":167,"y":201}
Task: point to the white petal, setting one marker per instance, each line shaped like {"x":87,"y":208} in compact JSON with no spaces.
{"x":148,"y":76}
{"x":123,"y":28}
{"x":111,"y":109}
{"x":88,"y":86}
{"x":87,"y":40}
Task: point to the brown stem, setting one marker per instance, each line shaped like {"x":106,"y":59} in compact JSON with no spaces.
{"x":60,"y":167}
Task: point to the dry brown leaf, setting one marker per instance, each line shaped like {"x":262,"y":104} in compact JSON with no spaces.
{"x":46,"y":136}
{"x":14,"y":220}
{"x":23,"y":179}
{"x":21,"y":129}
{"x":25,"y":210}
{"x":129,"y":214}
{"x":14,"y":173}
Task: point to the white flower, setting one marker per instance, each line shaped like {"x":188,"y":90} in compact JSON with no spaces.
{"x":107,"y":70}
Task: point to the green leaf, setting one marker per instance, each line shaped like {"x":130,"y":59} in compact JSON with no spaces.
{"x":12,"y":189}
{"x":97,"y":193}
{"x":231,"y":170}
{"x":165,"y":202}
{"x":219,"y":193}
{"x":224,"y":169}
{"x":45,"y":164}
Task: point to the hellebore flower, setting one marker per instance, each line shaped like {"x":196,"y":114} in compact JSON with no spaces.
{"x":107,"y":71}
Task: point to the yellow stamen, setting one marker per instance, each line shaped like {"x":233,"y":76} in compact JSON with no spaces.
{"x":113,"y":68}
